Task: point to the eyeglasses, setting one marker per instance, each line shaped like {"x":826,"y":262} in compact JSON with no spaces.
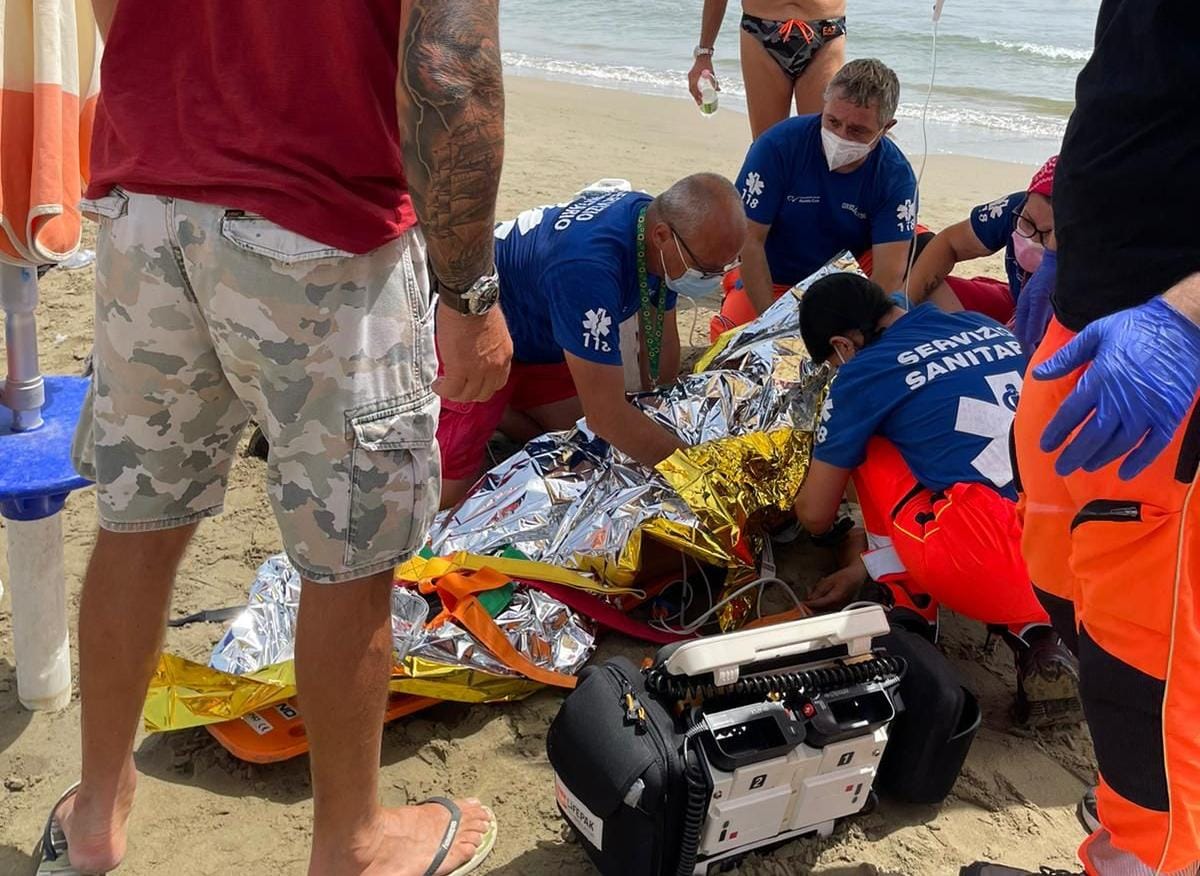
{"x":1027,"y":229}
{"x":706,"y":273}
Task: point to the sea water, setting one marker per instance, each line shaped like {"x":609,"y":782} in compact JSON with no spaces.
{"x":1005,"y":75}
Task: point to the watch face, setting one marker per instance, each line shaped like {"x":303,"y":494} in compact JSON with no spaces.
{"x":484,"y":294}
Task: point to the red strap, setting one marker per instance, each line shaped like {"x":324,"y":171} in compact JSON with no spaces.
{"x":604,"y":614}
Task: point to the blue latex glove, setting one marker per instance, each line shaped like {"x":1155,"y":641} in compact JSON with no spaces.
{"x":1033,"y":306}
{"x":1143,"y":377}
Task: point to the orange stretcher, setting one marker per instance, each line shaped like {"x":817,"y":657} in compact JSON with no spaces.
{"x":277,"y":732}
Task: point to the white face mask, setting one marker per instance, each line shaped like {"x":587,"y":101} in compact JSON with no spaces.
{"x":839,"y":151}
{"x":691,"y":283}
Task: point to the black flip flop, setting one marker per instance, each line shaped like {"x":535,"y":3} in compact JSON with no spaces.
{"x":51,"y":852}
{"x":481,"y":852}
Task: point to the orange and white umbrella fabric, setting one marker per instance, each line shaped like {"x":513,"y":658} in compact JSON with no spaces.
{"x":50,"y":69}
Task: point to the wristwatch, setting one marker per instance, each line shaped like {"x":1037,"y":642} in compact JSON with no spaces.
{"x":476,"y":300}
{"x":702,"y":51}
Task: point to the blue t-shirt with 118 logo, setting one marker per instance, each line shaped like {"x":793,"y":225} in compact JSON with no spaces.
{"x":942,"y":387}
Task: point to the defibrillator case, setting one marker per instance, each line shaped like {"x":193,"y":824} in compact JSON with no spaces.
{"x":640,"y":806}
{"x":931,"y":739}
{"x":628,"y":813}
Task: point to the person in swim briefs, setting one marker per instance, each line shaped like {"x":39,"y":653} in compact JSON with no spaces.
{"x":790,"y":50}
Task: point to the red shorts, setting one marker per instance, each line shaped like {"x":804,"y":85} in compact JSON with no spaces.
{"x":985,"y":295}
{"x":866,"y":259}
{"x":465,"y":428}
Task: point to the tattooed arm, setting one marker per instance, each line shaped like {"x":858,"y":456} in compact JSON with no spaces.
{"x":450,"y":101}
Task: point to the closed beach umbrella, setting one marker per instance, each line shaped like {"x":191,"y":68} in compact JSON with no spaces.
{"x":51,"y":76}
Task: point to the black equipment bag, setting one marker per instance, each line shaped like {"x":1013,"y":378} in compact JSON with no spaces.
{"x":929,"y":741}
{"x":627,"y":829}
{"x":622,"y":783}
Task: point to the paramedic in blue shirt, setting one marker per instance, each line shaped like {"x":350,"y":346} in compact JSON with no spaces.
{"x":570,"y":276}
{"x":918,"y":417}
{"x":814,"y":186}
{"x":1021,"y":225}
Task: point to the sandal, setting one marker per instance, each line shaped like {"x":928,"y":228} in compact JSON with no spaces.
{"x":51,"y":852}
{"x":483,"y":850}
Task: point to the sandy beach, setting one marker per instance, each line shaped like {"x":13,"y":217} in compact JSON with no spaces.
{"x":201,"y":811}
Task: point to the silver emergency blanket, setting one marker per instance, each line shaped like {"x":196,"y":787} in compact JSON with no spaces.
{"x":568,"y":494}
{"x":543,"y":629}
{"x":265,"y":632}
{"x":753,"y":346}
{"x":570,"y":500}
{"x":540,"y":627}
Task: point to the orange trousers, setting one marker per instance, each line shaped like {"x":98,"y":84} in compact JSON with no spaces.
{"x":959,"y":547}
{"x":736,"y":308}
{"x":1125,"y":555}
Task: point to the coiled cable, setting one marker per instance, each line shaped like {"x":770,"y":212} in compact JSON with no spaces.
{"x":696,"y":809}
{"x":809,"y":682}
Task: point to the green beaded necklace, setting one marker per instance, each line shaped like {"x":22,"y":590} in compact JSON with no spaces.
{"x":651,"y":317}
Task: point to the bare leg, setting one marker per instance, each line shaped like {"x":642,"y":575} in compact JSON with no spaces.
{"x":558,"y":415}
{"x":453,"y":489}
{"x":945,"y":299}
{"x":343,"y":659}
{"x":768,"y":88}
{"x":526,"y":425}
{"x":519,"y":426}
{"x":122,"y":615}
{"x":810,"y":87}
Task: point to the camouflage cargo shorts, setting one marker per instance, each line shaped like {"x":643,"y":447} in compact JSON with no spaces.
{"x":207,"y":318}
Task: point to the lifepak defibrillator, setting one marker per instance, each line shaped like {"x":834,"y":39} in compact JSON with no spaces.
{"x":725,"y":744}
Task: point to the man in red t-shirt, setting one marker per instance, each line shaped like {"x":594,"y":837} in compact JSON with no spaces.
{"x":258,"y":172}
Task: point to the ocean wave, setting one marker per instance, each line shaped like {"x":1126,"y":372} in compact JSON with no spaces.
{"x":674,"y":83}
{"x":1055,"y":53}
{"x":994,"y":97}
{"x":880,"y":34}
{"x":1038,"y":127}
{"x":659,"y":81}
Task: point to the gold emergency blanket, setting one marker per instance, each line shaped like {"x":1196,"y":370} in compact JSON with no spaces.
{"x":185,"y":694}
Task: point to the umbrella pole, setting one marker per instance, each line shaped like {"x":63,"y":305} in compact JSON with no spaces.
{"x":23,"y":391}
{"x":35,"y":551}
{"x":39,"y":601}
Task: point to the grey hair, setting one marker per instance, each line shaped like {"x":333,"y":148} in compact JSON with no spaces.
{"x":688,"y":203}
{"x":866,"y":81}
